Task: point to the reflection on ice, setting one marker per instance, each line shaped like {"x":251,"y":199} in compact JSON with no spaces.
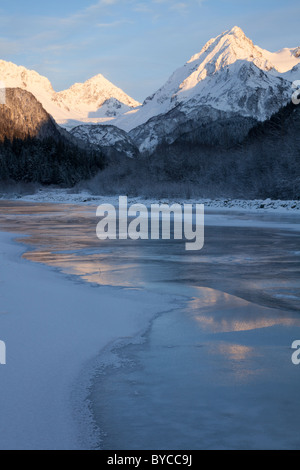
{"x":236,"y":352}
{"x":240,"y":360}
{"x":217,"y":312}
{"x":215,"y":372}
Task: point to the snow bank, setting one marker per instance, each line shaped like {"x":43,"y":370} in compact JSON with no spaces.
{"x":66,"y":196}
{"x":53,"y":328}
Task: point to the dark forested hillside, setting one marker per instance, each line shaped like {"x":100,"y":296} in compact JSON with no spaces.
{"x":34,"y":149}
{"x":265,"y":164}
{"x":22,"y":116}
{"x":47,"y":161}
{"x":200,"y":161}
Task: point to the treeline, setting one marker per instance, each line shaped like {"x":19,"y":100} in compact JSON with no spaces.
{"x":265,"y":165}
{"x":49,"y":161}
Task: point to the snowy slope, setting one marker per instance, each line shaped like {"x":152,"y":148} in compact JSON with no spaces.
{"x":81,"y":102}
{"x":283,"y":60}
{"x":293,"y":74}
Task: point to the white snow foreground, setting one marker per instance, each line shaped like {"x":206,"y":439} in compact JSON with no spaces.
{"x":53,"y":329}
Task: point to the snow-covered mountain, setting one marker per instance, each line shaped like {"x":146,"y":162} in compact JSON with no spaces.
{"x":96,"y":98}
{"x":112,"y":140}
{"x":91,"y":101}
{"x":229,"y":74}
{"x":230,"y":82}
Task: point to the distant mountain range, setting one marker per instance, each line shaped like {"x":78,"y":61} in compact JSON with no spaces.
{"x":216,"y":97}
{"x":91,"y":101}
{"x":230,"y":76}
{"x":230,"y":79}
{"x":207,"y":108}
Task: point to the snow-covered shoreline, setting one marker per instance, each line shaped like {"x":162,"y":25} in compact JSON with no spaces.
{"x":65,"y":196}
{"x":54,"y":328}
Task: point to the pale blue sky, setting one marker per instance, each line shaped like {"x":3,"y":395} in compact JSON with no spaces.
{"x":134,"y":43}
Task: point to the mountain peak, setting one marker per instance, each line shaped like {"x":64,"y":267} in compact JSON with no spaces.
{"x":99,"y":78}
{"x":96,"y":81}
{"x":93,"y":93}
{"x":237,"y":31}
{"x":17,"y":76}
{"x":226,"y":75}
{"x":224,"y":50}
